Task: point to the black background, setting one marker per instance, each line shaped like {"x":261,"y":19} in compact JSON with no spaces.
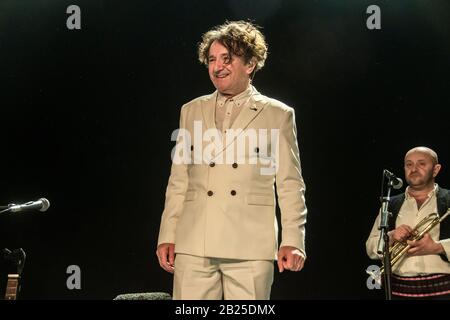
{"x":86,"y":118}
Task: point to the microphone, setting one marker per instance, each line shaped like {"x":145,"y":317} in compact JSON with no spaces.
{"x":396,"y":182}
{"x":42,"y":205}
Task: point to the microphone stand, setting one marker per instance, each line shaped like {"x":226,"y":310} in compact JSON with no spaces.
{"x":6,"y":208}
{"x":383,"y":242}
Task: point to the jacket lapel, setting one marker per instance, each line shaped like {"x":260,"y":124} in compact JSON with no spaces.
{"x":209,"y":119}
{"x":208,"y":111}
{"x":249,"y":112}
{"x":441,"y":201}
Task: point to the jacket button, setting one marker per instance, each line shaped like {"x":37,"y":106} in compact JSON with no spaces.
{"x":257,"y":150}
{"x":210,"y":193}
{"x":233,"y":192}
{"x":235,"y":165}
{"x":212,"y":164}
{"x":192,"y":148}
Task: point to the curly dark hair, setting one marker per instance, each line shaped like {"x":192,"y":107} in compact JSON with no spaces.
{"x":241,"y":38}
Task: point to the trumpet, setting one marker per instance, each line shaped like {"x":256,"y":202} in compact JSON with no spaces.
{"x":398,"y":249}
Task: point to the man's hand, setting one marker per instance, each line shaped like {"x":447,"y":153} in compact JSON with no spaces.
{"x":290,"y":258}
{"x":401,"y":233}
{"x":166,"y":256}
{"x":424,"y":246}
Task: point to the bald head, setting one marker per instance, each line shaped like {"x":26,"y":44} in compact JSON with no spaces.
{"x":421,"y":167}
{"x":425,"y":150}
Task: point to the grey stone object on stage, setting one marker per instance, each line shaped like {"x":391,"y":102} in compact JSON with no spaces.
{"x":144,"y":296}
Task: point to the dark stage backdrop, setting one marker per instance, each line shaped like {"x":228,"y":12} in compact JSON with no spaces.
{"x":87,"y":115}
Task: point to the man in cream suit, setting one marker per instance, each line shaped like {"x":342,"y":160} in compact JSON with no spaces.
{"x":219,"y":232}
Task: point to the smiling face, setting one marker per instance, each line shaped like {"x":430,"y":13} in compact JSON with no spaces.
{"x":420,"y":169}
{"x":229,"y":74}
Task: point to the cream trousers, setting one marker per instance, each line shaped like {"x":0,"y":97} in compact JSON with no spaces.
{"x":199,"y":278}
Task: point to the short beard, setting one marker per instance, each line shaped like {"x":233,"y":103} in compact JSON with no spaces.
{"x":427,"y":180}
